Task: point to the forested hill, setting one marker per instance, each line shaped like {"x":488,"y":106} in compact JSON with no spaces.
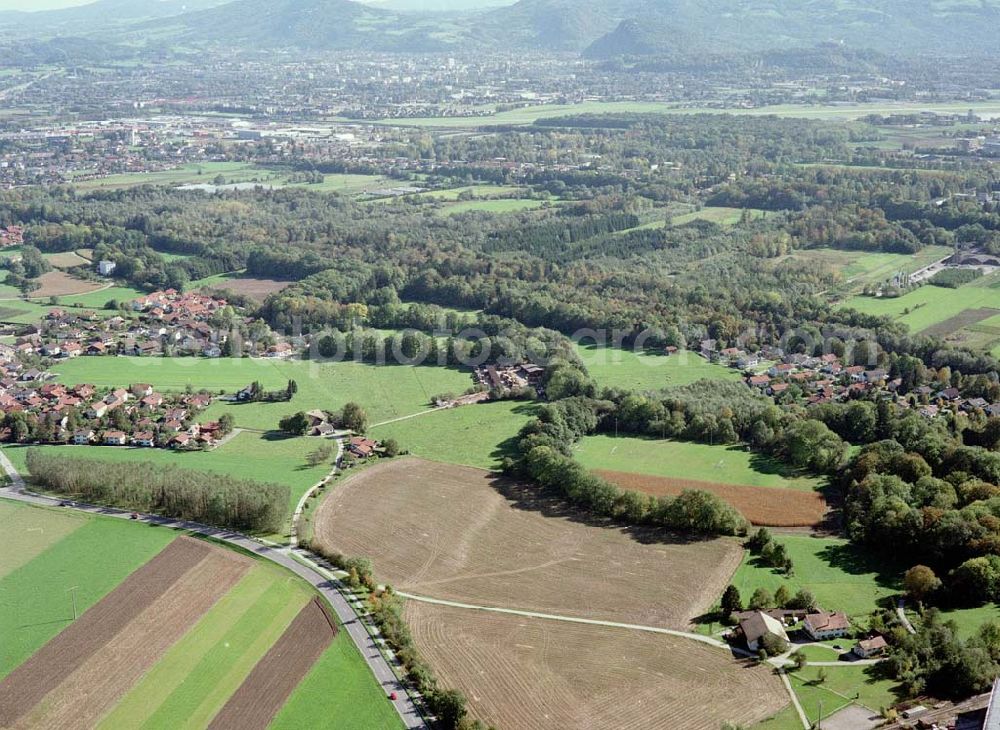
{"x":597,"y":28}
{"x":613,"y":27}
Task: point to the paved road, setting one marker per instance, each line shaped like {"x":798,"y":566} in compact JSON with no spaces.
{"x":326,"y":586}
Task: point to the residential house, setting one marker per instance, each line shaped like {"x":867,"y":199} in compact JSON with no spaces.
{"x":362,"y":447}
{"x":867,"y":648}
{"x":115,"y":438}
{"x":83,"y":438}
{"x":144,"y":438}
{"x":758,"y":626}
{"x":825,"y":625}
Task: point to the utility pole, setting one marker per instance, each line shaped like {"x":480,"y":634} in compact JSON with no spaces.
{"x":73,"y":591}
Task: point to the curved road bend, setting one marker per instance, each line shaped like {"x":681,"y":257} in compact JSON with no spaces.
{"x":355,"y":628}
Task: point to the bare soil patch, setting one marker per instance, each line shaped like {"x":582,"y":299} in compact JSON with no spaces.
{"x":66,"y":260}
{"x":766,"y":506}
{"x":60,"y":284}
{"x":462,"y":534}
{"x":92,"y":690}
{"x":522,"y":674}
{"x":25,"y":687}
{"x":256,"y":289}
{"x":953,"y":324}
{"x":269,"y":685}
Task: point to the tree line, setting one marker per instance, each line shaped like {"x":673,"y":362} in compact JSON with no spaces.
{"x":143,"y":486}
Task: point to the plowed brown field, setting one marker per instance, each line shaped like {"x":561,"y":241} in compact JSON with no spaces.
{"x":265,"y":690}
{"x":25,"y":687}
{"x":765,"y":506}
{"x":99,"y":683}
{"x":522,"y":674}
{"x":459,"y":534}
{"x":59,"y":283}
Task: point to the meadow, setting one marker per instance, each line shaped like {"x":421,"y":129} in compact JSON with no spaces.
{"x":235,"y":173}
{"x":337,"y":694}
{"x":612,"y":367}
{"x":202,"y":172}
{"x":859,"y":268}
{"x":529,"y":114}
{"x":929,"y":305}
{"x":385,"y":391}
{"x":468,"y":436}
{"x":721,"y":216}
{"x":503,"y":205}
{"x":689,"y":460}
{"x":843,"y":686}
{"x":36,"y":598}
{"x":839,"y":575}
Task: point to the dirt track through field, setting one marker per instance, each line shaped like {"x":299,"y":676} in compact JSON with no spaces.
{"x":531,"y":674}
{"x":766,"y":506}
{"x":25,"y":687}
{"x":272,"y":681}
{"x":461,"y":534}
{"x":93,"y":689}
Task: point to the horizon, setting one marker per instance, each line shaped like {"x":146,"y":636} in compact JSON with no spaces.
{"x":37,"y":6}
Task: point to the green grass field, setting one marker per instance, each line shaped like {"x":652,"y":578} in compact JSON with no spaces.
{"x":35,"y":599}
{"x":787,"y":719}
{"x":929,"y":305}
{"x":470,"y":435}
{"x":335,"y":695}
{"x":96,"y":299}
{"x":689,"y":460}
{"x":505,"y":205}
{"x":612,"y":367}
{"x":202,"y":172}
{"x":844,"y":685}
{"x":453,"y":194}
{"x":722,"y":216}
{"x":863,"y":267}
{"x":840,"y":576}
{"x":386,"y":391}
{"x":970,"y":619}
{"x":528,"y":115}
{"x":28,"y":532}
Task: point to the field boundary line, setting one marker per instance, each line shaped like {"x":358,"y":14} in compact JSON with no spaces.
{"x":575,"y":620}
{"x":795,"y":700}
{"x":412,"y":415}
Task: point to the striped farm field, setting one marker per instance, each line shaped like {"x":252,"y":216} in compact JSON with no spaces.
{"x":535,"y":674}
{"x":170,"y":632}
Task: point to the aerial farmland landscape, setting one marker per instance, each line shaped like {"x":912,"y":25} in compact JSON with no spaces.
{"x":499,"y":365}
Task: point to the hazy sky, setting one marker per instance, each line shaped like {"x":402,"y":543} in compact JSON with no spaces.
{"x":39,"y":4}
{"x":415,"y":4}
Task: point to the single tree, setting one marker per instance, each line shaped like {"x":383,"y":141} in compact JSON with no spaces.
{"x":731,"y":601}
{"x":920,"y":582}
{"x":354,"y":418}
{"x":761,"y":600}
